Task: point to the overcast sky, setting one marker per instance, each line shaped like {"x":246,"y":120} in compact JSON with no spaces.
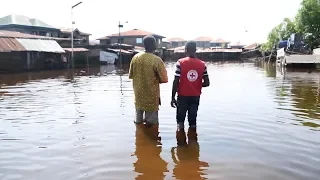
{"x":225,"y":19}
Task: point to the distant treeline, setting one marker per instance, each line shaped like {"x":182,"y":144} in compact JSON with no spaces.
{"x":307,"y":22}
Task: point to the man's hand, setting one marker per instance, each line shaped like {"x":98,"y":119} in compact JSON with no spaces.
{"x":173,"y":103}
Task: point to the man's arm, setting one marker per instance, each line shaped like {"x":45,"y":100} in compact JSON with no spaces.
{"x":162,"y":72}
{"x":206,"y":81}
{"x":175,"y":83}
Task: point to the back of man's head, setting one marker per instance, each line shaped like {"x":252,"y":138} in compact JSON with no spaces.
{"x":149,"y":43}
{"x":191,"y":48}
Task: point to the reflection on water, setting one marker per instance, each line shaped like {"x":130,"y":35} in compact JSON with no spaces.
{"x":255,"y":121}
{"x":187,"y":163}
{"x":149,"y":164}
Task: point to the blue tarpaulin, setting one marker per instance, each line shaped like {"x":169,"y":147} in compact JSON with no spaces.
{"x":283,"y":44}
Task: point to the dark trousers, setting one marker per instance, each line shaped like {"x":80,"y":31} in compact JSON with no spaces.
{"x":190,"y":104}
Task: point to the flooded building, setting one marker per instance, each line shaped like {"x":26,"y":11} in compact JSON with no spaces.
{"x":23,"y":24}
{"x":133,"y":37}
{"x":82,"y":37}
{"x":220,"y":43}
{"x":237,"y":45}
{"x":177,"y":42}
{"x":20,"y":52}
{"x":26,"y":25}
{"x":203,"y":41}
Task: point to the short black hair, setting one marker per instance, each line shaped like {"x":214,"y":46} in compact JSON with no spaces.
{"x":191,"y":46}
{"x":149,"y":42}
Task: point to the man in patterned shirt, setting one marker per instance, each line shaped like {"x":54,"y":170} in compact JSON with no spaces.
{"x":147,"y":71}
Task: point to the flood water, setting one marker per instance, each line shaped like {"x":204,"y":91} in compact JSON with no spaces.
{"x":255,"y":122}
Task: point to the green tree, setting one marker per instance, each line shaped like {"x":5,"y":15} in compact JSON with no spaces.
{"x":308,"y":21}
{"x":281,"y":31}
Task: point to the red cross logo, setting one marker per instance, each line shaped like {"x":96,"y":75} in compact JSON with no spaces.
{"x":192,"y":75}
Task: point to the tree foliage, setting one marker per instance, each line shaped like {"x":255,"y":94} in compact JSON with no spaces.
{"x":307,"y":22}
{"x":280,"y":32}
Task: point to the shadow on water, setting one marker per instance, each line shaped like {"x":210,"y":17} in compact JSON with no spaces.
{"x":187,"y":163}
{"x":149,"y":164}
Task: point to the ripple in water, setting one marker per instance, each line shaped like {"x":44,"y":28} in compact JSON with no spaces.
{"x":255,"y":122}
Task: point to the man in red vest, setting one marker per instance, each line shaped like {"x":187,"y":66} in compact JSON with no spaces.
{"x":190,"y":76}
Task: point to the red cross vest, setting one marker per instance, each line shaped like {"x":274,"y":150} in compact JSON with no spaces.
{"x":191,"y":74}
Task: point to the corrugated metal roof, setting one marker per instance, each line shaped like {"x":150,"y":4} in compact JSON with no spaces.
{"x":122,"y":51}
{"x":76,"y":49}
{"x":41,"y":45}
{"x":10,"y":44}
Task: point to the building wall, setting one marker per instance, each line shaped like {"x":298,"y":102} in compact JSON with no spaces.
{"x":178,"y":44}
{"x":105,"y":41}
{"x":223,"y":45}
{"x":203,"y":44}
{"x":33,"y":30}
{"x":84,"y":41}
{"x":134,"y":41}
{"x":12,"y":61}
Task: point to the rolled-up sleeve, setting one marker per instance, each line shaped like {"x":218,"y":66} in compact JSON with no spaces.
{"x":177,"y":71}
{"x":162,"y":72}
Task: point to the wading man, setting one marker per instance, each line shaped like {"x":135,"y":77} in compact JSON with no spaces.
{"x":190,"y":76}
{"x":147,"y":71}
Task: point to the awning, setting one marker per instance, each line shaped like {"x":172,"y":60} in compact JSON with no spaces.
{"x":41,"y":45}
{"x":122,"y":51}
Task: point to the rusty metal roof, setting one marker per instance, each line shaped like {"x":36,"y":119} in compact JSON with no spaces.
{"x":203,"y":39}
{"x":13,"y":34}
{"x":41,"y":45}
{"x":10,"y":44}
{"x":251,"y":46}
{"x":176,"y":39}
{"x":220,"y":40}
{"x":76,"y":49}
{"x":134,"y":32}
{"x":207,"y":50}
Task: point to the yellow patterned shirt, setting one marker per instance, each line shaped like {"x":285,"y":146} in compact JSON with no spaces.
{"x":147,"y":71}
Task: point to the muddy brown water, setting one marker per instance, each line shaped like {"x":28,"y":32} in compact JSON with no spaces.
{"x":255,"y":122}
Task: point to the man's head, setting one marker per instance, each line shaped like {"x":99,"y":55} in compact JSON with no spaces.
{"x":149,"y":43}
{"x":191,"y":48}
